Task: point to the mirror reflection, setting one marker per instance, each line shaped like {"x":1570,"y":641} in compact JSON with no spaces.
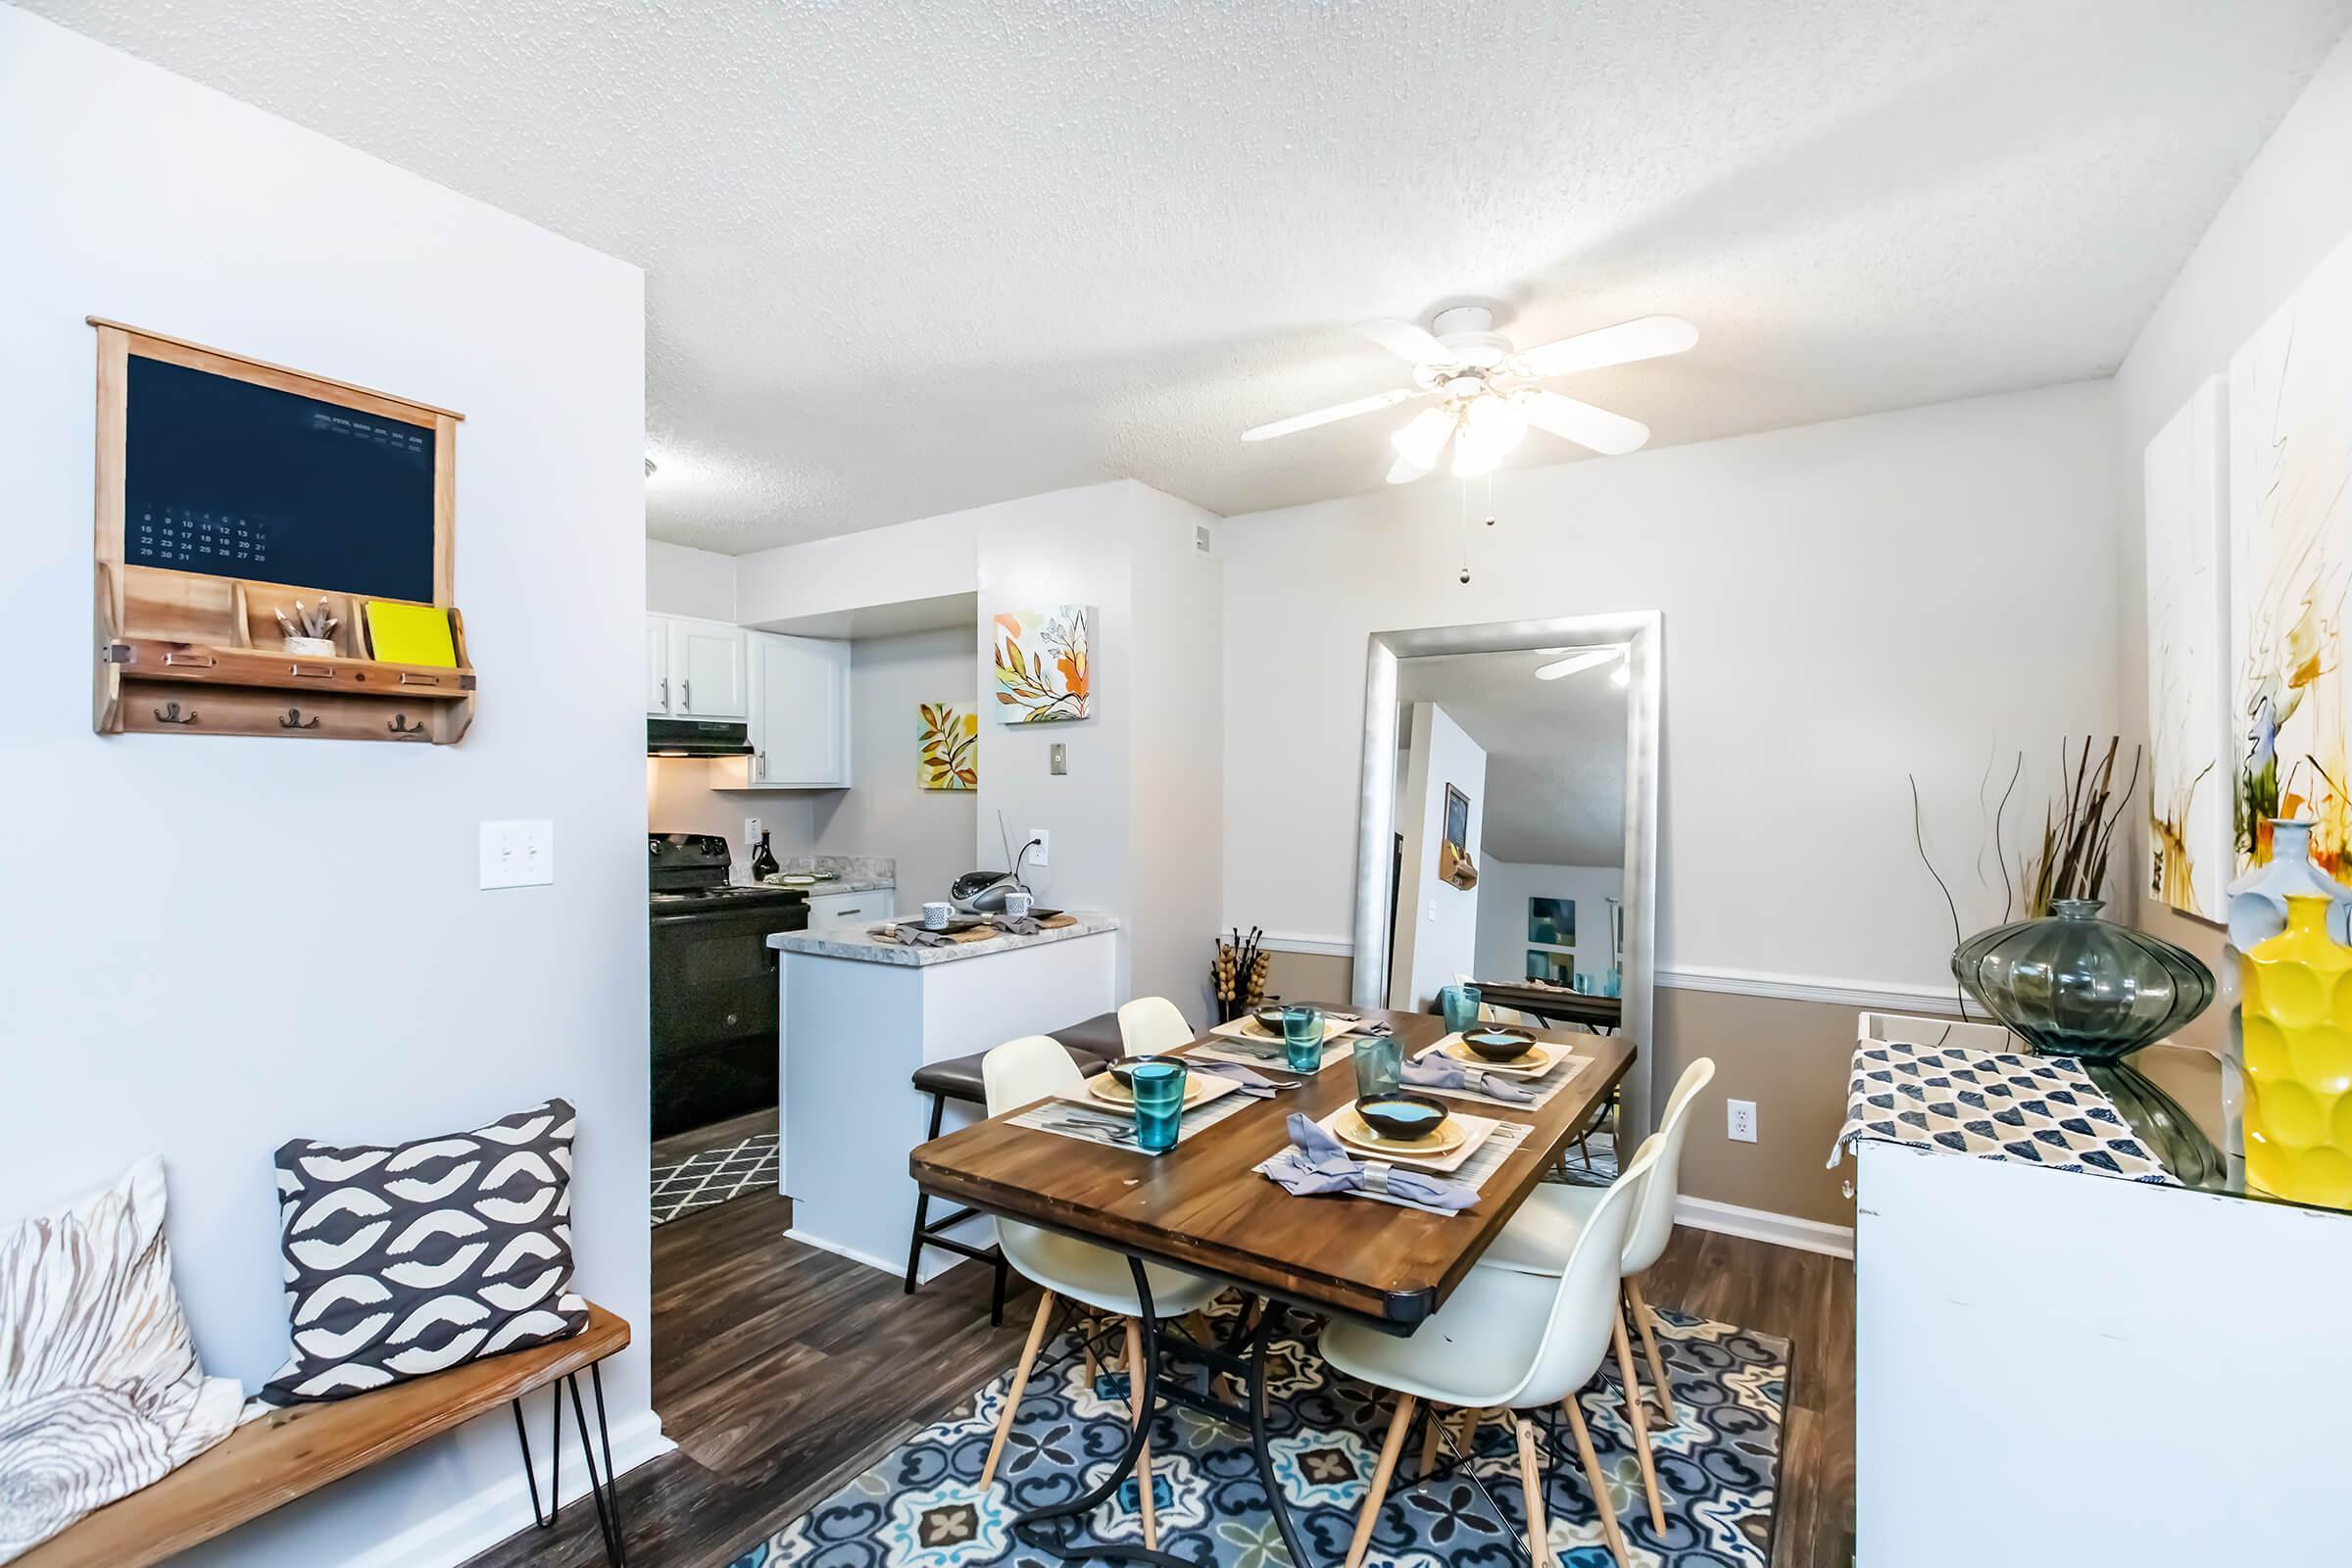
{"x":1510,"y":827}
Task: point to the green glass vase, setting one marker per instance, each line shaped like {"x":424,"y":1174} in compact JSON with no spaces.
{"x":2074,"y":985}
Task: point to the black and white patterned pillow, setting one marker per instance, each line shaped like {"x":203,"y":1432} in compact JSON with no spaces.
{"x":408,"y":1261}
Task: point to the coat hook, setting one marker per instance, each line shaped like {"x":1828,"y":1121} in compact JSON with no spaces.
{"x":399,"y":725}
{"x":170,"y":713}
{"x":295,"y":720}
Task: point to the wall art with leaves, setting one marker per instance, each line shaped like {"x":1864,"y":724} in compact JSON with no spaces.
{"x":948,"y":748}
{"x":1043,"y":671}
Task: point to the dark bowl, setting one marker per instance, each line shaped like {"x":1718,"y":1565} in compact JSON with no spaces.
{"x":1399,"y":1114}
{"x":1123,"y":1069}
{"x":1270,"y":1019}
{"x":1490,"y":1042}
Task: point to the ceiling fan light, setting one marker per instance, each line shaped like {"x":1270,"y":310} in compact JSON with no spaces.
{"x":1423,"y":439}
{"x":1497,"y":420}
{"x":1403,"y":471}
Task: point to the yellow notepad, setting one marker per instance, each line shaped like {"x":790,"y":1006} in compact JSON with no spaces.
{"x":411,"y":634}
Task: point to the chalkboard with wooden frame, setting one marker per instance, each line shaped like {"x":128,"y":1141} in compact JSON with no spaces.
{"x":228,"y":490}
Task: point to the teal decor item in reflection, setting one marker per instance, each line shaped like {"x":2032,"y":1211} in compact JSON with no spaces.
{"x":2075,"y":985}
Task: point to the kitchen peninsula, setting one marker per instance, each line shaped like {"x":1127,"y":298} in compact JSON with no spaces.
{"x":857,"y":1014}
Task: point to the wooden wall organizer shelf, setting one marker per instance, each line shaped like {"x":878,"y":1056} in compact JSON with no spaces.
{"x":196,"y":653}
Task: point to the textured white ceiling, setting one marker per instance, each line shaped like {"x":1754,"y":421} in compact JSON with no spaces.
{"x":1555,"y":752}
{"x":906,"y":258}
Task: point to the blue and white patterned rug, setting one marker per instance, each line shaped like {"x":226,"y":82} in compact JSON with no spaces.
{"x":1717,"y":1466}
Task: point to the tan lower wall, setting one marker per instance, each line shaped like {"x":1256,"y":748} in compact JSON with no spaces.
{"x":1791,"y":1058}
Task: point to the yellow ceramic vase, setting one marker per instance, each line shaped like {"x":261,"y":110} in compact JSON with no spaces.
{"x":2296,"y":1019}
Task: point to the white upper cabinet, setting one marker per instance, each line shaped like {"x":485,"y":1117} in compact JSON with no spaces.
{"x":799,"y":703}
{"x":656,"y":666}
{"x":694,"y":668}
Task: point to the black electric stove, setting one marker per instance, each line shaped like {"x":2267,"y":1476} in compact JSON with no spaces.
{"x":713,"y":982}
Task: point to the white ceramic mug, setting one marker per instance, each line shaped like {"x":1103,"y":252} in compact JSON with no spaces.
{"x":936,"y":915}
{"x":1017,"y":906}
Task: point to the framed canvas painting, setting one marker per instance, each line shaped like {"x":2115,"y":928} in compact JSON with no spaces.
{"x":2290,"y":565}
{"x":1551,"y":921}
{"x":2190,"y":778}
{"x":946,"y":747}
{"x":1044,"y":673}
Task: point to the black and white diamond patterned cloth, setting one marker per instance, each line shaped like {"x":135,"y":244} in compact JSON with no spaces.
{"x":405,"y":1261}
{"x":2038,"y":1110}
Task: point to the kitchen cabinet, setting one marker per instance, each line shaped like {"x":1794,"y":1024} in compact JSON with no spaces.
{"x":694,"y":668}
{"x":869,"y":907}
{"x":799,"y":701}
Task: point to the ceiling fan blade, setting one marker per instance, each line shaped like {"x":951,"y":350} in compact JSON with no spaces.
{"x":1610,"y":435}
{"x":1343,"y":410}
{"x":1415,"y":345}
{"x":1646,"y":339}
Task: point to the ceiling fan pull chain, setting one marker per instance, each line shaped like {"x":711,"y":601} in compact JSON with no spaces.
{"x":1461,"y":517}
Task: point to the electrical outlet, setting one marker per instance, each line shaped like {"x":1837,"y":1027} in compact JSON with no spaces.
{"x":751,"y":831}
{"x":1741,"y":1114}
{"x":519,"y":855}
{"x":1043,"y":855}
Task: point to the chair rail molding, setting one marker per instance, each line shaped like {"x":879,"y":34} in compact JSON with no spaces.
{"x":1835,"y":990}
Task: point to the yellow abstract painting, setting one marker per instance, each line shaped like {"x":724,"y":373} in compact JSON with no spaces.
{"x":948,"y":748}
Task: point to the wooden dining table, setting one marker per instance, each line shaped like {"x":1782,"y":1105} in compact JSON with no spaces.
{"x":1200,"y":1206}
{"x":1554,"y":1006}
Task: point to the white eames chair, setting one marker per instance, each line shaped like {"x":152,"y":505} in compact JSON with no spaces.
{"x":1150,"y":1024}
{"x":1022,"y":1072}
{"x":1544,"y":1232}
{"x":1507,"y":1340}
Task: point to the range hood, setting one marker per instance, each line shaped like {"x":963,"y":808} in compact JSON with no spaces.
{"x":697,"y":736}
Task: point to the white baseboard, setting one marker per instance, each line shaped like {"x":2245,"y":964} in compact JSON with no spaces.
{"x":1761,"y":1225}
{"x":472,"y":1527}
{"x":888,"y":1265}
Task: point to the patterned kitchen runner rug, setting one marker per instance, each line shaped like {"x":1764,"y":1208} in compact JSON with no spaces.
{"x":709,"y":1179}
{"x":1717,"y":1467}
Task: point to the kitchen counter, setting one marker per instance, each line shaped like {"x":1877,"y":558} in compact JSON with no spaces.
{"x":845,"y":873}
{"x":860,"y":944}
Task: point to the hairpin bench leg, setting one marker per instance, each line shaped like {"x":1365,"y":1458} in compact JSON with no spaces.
{"x":604,"y":1490}
{"x":530,"y":1470}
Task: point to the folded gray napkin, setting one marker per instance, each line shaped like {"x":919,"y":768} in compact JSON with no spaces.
{"x":913,"y":936}
{"x":1253,"y":1081}
{"x":1317,"y":1162}
{"x":1427,"y":1072}
{"x":1025,"y":926}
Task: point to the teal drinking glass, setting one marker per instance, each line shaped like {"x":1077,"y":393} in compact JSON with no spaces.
{"x":1158,"y":1103}
{"x":1459,"y":1004}
{"x":1378,"y":1064}
{"x":1302,"y":1038}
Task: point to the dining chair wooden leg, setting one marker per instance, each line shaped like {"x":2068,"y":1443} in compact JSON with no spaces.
{"x":1467,"y":1433}
{"x":1640,"y":1422}
{"x":1429,"y":1441}
{"x":1530,"y":1486}
{"x":1020,"y":1382}
{"x":1378,"y":1494}
{"x":1649,"y":1345}
{"x":1593,"y":1479}
{"x":1145,"y":1502}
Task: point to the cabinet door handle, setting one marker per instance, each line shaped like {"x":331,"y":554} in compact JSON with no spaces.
{"x":760,"y":764}
{"x":665,"y":694}
{"x":689,"y":684}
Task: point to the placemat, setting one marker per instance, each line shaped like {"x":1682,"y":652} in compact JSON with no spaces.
{"x":1476,"y":1131}
{"x":1213,"y":1087}
{"x":1222,"y":1048}
{"x":1113,"y":1129}
{"x":1500,"y":1146}
{"x":1551,"y":1083}
{"x":1987,"y":1105}
{"x":1336,"y":1025}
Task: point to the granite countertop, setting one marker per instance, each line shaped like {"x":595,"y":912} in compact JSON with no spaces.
{"x":848,"y":873}
{"x":861,"y":943}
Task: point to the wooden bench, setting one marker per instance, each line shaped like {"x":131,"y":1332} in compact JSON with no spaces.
{"x":273,"y":1459}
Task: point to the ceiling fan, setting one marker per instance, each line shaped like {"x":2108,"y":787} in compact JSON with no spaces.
{"x":1485,"y":390}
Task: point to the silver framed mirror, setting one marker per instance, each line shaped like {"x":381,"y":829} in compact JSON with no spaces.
{"x":1633,"y":638}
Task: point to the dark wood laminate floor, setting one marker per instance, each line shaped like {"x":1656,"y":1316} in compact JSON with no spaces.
{"x":781,"y":1371}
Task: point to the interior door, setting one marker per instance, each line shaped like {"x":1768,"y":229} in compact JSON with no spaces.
{"x":705,"y":671}
{"x":803,"y":692}
{"x":656,"y":666}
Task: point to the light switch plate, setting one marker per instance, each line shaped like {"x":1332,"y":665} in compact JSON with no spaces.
{"x":1058,"y":759}
{"x":518,"y":854}
{"x":1043,"y":855}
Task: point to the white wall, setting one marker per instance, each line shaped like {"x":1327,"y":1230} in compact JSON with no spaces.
{"x":2293,"y":206}
{"x":1843,"y":603}
{"x":679,"y":581}
{"x":164,"y":992}
{"x":1503,"y":889}
{"x":929,"y":832}
{"x":1436,"y":922}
